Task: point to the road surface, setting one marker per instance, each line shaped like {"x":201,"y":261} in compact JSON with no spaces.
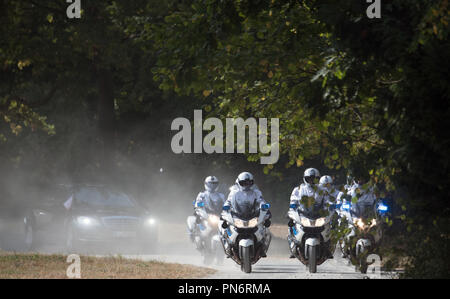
{"x":175,"y":247}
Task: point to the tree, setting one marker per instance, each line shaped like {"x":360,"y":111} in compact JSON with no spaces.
{"x":361,"y":93}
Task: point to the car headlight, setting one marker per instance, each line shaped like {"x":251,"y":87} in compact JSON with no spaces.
{"x":87,"y":221}
{"x":213,"y":220}
{"x":150,"y":221}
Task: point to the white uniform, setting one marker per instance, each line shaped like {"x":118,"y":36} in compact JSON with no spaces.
{"x":213,"y":201}
{"x":245,"y":202}
{"x":309,"y":191}
{"x":331,"y":194}
{"x":364,"y":196}
{"x":241,"y":199}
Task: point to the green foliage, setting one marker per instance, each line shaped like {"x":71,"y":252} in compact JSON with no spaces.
{"x":349,"y":89}
{"x":367,"y":95}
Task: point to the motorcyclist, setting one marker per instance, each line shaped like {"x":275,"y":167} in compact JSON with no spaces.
{"x":360,"y":196}
{"x":327,"y":187}
{"x":212,"y":202}
{"x":362,"y":191}
{"x":309,"y":189}
{"x":244,"y":194}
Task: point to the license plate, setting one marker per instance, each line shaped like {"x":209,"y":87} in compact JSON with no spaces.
{"x":125,"y":234}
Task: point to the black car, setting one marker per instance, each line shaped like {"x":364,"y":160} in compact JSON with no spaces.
{"x":81,"y":216}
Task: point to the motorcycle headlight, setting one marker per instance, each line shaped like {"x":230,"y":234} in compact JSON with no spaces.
{"x":305,"y":221}
{"x":246,"y":224}
{"x":320,"y":221}
{"x":359,"y":223}
{"x":87,"y":221}
{"x":213,"y":220}
{"x":239,"y":223}
{"x":253,"y":222}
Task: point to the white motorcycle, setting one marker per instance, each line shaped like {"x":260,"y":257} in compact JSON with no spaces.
{"x":309,"y":237}
{"x":366,"y":223}
{"x":246,"y":236}
{"x":207,"y":239}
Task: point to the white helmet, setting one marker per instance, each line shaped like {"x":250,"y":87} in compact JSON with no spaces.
{"x":310,"y":176}
{"x":245,"y":181}
{"x":326,"y":179}
{"x":211,"y":183}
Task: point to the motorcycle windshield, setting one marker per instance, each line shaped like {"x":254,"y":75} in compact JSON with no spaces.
{"x":246,"y":210}
{"x":363,"y":210}
{"x":213,"y":207}
{"x":314,"y":212}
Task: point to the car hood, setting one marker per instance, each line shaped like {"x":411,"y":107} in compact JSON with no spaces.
{"x":101,"y":212}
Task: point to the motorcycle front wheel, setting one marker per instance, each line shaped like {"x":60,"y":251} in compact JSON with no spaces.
{"x":312,"y":259}
{"x":362,"y":267}
{"x":246,"y":263}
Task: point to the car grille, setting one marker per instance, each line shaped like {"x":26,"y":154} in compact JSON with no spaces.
{"x":121,"y":223}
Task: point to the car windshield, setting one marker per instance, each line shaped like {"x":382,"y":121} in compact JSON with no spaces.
{"x":102,"y":199}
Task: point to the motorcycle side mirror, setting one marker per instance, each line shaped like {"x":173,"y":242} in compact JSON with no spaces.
{"x":265,"y":207}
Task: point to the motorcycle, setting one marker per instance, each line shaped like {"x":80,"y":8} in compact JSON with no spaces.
{"x":246,"y":236}
{"x":207,"y":239}
{"x":309,"y":237}
{"x":366,"y":223}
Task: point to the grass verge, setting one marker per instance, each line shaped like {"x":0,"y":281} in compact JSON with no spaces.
{"x":34,"y":265}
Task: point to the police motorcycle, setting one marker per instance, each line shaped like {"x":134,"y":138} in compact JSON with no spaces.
{"x":366,"y":223}
{"x":245,"y":234}
{"x":207,"y":239}
{"x":309,"y":238}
